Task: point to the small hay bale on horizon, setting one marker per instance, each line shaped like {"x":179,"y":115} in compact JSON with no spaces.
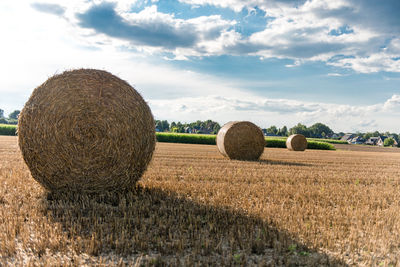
{"x":86,"y":130}
{"x":296,"y":142}
{"x":242,"y":140}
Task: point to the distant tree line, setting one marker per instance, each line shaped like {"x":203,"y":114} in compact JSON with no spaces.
{"x":200,"y":127}
{"x":11,"y":119}
{"x":317,"y":130}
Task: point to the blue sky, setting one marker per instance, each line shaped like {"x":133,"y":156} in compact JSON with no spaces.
{"x":276,"y":62}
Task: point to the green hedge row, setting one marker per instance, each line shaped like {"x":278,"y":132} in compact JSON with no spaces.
{"x":8,"y":129}
{"x":330,"y":141}
{"x":186,"y":138}
{"x":319,"y":145}
{"x":210,"y":140}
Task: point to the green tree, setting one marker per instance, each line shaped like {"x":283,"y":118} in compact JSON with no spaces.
{"x":165,"y":125}
{"x":388,"y":142}
{"x":181,"y":127}
{"x":367,"y":136}
{"x":300,"y":129}
{"x":283,"y":131}
{"x":396,"y":136}
{"x":376,"y":134}
{"x":2,"y":118}
{"x":158,"y":125}
{"x":320,"y":130}
{"x":14,"y":115}
{"x":272,"y":130}
{"x":216,"y":128}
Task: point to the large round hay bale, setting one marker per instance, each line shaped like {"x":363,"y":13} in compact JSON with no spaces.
{"x":296,"y":142}
{"x":86,"y":130}
{"x":241,"y":140}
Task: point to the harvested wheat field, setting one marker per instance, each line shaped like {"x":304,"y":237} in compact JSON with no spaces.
{"x":194,"y":206}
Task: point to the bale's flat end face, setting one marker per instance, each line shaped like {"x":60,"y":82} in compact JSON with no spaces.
{"x":296,"y":142}
{"x":86,"y":130}
{"x":241,"y":140}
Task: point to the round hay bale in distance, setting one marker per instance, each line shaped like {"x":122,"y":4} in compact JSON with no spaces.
{"x":86,"y":130}
{"x":296,"y":142}
{"x":241,"y":140}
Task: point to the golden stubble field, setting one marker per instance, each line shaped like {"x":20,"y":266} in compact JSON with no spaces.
{"x":194,"y":207}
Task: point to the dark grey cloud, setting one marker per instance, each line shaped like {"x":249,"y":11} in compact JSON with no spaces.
{"x":49,"y":8}
{"x":104,"y":19}
{"x":381,"y":16}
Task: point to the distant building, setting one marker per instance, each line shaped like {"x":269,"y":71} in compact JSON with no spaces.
{"x":396,"y":142}
{"x":380,"y":140}
{"x":347,"y":137}
{"x":372,"y":141}
{"x":203,"y":130}
{"x":189,"y":130}
{"x":358,"y":140}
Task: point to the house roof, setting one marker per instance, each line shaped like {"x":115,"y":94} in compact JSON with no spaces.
{"x":372,"y":140}
{"x":347,"y":137}
{"x":357,"y":139}
{"x":383,"y":137}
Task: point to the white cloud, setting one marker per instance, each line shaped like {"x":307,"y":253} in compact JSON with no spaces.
{"x":373,"y":63}
{"x":392,"y":104}
{"x":236,"y":5}
{"x":295,"y":64}
{"x":296,"y":30}
{"x":302,"y":33}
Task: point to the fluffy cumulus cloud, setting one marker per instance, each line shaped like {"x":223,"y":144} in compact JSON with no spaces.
{"x":353,"y":34}
{"x":393,"y":104}
{"x":150,"y":27}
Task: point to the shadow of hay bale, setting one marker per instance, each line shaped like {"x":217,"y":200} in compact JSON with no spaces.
{"x":287,"y":163}
{"x":178,"y":230}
